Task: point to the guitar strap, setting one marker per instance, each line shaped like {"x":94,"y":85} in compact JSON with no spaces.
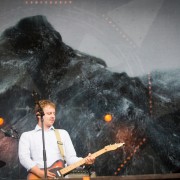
{"x":59,"y":142}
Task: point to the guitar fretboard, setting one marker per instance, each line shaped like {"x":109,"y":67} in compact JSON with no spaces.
{"x":81,"y":162}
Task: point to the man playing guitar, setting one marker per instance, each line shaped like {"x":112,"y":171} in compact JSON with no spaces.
{"x":31,"y":144}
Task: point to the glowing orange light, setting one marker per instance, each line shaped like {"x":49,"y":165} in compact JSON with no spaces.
{"x":1,"y":121}
{"x":128,"y":158}
{"x":108,"y":117}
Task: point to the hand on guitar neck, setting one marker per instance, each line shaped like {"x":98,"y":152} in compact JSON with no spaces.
{"x":90,"y":159}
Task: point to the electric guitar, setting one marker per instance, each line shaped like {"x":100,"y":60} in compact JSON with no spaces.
{"x":59,"y":169}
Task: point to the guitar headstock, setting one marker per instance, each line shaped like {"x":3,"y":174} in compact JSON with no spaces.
{"x":113,"y":146}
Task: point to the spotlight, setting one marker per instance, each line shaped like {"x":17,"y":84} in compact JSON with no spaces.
{"x":108,"y":117}
{"x":1,"y":121}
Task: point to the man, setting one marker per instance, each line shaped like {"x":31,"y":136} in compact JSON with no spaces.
{"x":31,"y":146}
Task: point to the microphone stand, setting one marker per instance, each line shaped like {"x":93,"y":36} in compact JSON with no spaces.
{"x":43,"y":140}
{"x":41,"y":112}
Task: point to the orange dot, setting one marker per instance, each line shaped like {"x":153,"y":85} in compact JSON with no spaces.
{"x":122,"y":165}
{"x":1,"y":121}
{"x":108,"y":117}
{"x":86,"y":178}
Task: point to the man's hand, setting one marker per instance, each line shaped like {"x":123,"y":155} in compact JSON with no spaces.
{"x":50,"y":175}
{"x":40,"y":173}
{"x":89,"y":159}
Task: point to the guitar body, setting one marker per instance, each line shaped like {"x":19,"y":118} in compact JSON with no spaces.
{"x":55,"y":168}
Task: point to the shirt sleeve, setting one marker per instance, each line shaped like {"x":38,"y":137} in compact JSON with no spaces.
{"x":70,"y":153}
{"x":24,"y":152}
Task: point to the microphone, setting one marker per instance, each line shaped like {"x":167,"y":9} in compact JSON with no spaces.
{"x":35,"y":96}
{"x":39,"y":110}
{"x":8,"y":133}
{"x":34,"y":93}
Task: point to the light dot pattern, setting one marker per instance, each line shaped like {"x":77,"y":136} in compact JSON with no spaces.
{"x":121,"y":166}
{"x":47,"y":2}
{"x":150,"y":94}
{"x":118,"y":30}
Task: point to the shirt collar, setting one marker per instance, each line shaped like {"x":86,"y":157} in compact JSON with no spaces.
{"x":38,"y":128}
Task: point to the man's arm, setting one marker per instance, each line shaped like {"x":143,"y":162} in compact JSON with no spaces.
{"x":24,"y":152}
{"x":25,"y":158}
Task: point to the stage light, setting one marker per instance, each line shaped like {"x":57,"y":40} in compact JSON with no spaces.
{"x":1,"y":121}
{"x":108,"y":117}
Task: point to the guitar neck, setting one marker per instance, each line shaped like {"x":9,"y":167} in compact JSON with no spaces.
{"x":81,"y":162}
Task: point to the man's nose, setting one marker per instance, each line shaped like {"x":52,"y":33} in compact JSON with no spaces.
{"x":53,"y":115}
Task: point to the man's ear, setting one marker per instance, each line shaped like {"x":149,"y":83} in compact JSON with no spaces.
{"x":38,"y":116}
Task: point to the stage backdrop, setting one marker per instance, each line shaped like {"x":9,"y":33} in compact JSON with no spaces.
{"x":94,"y":58}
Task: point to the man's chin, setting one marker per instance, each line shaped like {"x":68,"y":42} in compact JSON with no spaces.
{"x":51,"y":123}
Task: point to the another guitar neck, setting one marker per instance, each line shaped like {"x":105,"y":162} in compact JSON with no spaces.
{"x":81,"y":162}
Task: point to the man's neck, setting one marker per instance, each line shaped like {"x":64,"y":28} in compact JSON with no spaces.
{"x":46,"y":128}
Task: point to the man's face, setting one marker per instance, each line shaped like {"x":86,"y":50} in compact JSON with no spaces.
{"x":49,"y":116}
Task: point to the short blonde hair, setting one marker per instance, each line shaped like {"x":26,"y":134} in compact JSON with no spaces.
{"x":43,"y":103}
